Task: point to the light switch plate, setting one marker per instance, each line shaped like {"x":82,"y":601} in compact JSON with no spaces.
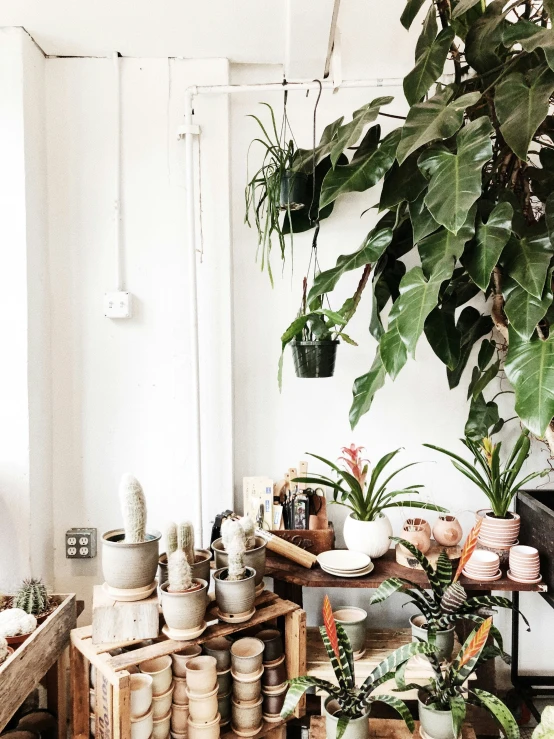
{"x":118,"y":304}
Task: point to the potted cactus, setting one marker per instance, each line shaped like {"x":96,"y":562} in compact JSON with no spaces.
{"x":5,"y":650}
{"x":199,"y":559}
{"x":16,"y":625}
{"x":130,"y":555}
{"x":254,"y":555}
{"x":32,"y":597}
{"x":183,"y":595}
{"x":235,"y":587}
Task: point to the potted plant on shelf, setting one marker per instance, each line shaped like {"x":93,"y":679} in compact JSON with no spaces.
{"x":235,"y":588}
{"x":347,"y":706}
{"x":448,"y":601}
{"x":442,"y":703}
{"x":32,"y":597}
{"x":499,"y":482}
{"x":367,"y":529}
{"x":254,"y":554}
{"x":199,"y":559}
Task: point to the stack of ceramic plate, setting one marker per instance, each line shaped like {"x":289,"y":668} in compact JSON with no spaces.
{"x":345,"y":563}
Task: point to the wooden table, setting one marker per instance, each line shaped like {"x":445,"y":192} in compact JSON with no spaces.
{"x":381,"y":728}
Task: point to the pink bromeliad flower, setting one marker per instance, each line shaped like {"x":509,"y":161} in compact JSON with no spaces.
{"x":355,"y":462}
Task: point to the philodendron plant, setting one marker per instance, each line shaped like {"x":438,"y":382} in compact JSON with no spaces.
{"x":353,"y":702}
{"x":468,"y":195}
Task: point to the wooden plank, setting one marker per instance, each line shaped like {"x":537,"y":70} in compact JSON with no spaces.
{"x":268,"y":731}
{"x":295,"y":650}
{"x":58,"y":692}
{"x":122,"y":707}
{"x":104,"y":708}
{"x":79,"y":693}
{"x":22,"y":672}
{"x":382,"y":728}
{"x":116,"y":621}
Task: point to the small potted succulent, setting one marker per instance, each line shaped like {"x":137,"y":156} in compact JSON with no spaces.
{"x":347,"y":707}
{"x":32,"y":597}
{"x":448,"y":601}
{"x":235,"y":587}
{"x":130,"y":555}
{"x":254,"y":555}
{"x":442,"y":703}
{"x":16,"y":625}
{"x":199,"y":559}
{"x":367,"y":529}
{"x":183,"y":596}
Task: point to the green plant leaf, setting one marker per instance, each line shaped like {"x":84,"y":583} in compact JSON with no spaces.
{"x":524,"y":311}
{"x":443,"y":336}
{"x":471,"y":325}
{"x":483,"y":48}
{"x":486,"y":377}
{"x":521,"y":104}
{"x":486,"y":353}
{"x":500,"y":712}
{"x":299,"y":685}
{"x":534,"y":37}
{"x":340,"y":664}
{"x":404,"y":182}
{"x":455,"y":179}
{"x":423,"y":222}
{"x":482,"y":416}
{"x":410,"y":11}
{"x":364,"y":390}
{"x":390,"y":663}
{"x":432,"y":576}
{"x":436,"y":118}
{"x":391,"y":347}
{"x":443,"y":248}
{"x":463,"y":6}
{"x":458,"y":708}
{"x":527,"y":260}
{"x":482,"y":254}
{"x":530,"y":369}
{"x":342,"y":725}
{"x":430,"y":56}
{"x":399,"y":706}
{"x":444,"y":569}
{"x":349,"y":133}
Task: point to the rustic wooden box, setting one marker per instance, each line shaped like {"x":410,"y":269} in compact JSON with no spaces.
{"x":536,"y":508}
{"x":314,"y":541}
{"x":112,"y":714}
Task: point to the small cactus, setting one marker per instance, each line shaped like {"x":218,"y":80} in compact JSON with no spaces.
{"x":171,"y":539}
{"x":14,"y":621}
{"x":249,"y":529}
{"x":3,"y":649}
{"x":234,"y":540}
{"x":32,"y":597}
{"x":133,"y":508}
{"x":179,"y":572}
{"x":186,"y":540}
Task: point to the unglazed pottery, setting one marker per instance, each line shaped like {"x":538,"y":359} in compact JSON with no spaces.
{"x":358,"y":728}
{"x":141,"y":694}
{"x":353,"y":621}
{"x":235,"y":597}
{"x":369,"y":537}
{"x":180,"y":696}
{"x":159,"y":668}
{"x":160,"y":727}
{"x":247,"y":655}
{"x":208,"y":730}
{"x":273,"y":644}
{"x":201,"y":675}
{"x":141,"y":728}
{"x":129,"y":566}
{"x":254,"y":558}
{"x":447,"y":531}
{"x":498,"y":532}
{"x":220,"y":649}
{"x":203,"y":708}
{"x":444,"y":639}
{"x":186,"y":610}
{"x":246,"y":718}
{"x":224,"y":707}
{"x":181,"y":658}
{"x":275,"y":673}
{"x":161,"y":704}
{"x":246,"y":690}
{"x":179,"y":718}
{"x":224,"y":682}
{"x":417,"y":535}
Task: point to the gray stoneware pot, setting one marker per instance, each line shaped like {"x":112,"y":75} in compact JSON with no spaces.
{"x":247,"y":717}
{"x":436,"y":724}
{"x":353,"y":621}
{"x":358,"y":728}
{"x":184,"y":610}
{"x":200,"y":569}
{"x":444,"y":639}
{"x":254,"y":557}
{"x":235,"y":596}
{"x":224,"y":707}
{"x":128,"y":566}
{"x":220,"y":648}
{"x":273,"y":644}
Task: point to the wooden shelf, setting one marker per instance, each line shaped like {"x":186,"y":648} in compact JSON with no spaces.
{"x":381,"y":728}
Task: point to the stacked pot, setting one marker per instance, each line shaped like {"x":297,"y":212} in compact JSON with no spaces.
{"x":157,"y":720}
{"x":498,"y":534}
{"x":202,"y":688}
{"x":220,"y":649}
{"x":180,"y":704}
{"x":247,"y":670}
{"x":274,"y":678}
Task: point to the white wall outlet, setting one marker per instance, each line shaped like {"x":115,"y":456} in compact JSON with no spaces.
{"x":118,"y":304}
{"x":80,"y":543}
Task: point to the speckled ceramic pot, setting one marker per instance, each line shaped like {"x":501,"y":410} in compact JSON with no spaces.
{"x":128,"y":566}
{"x":184,"y":610}
{"x":200,"y":569}
{"x":254,"y":558}
{"x":358,"y":728}
{"x":235,"y":596}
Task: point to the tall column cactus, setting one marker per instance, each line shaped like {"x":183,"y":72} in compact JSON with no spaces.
{"x":133,"y":509}
{"x":186,"y":540}
{"x":179,"y":572}
{"x":249,"y":529}
{"x":234,"y":541}
{"x":171,"y":539}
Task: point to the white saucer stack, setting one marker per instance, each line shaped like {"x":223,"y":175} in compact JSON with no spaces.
{"x":345,"y":563}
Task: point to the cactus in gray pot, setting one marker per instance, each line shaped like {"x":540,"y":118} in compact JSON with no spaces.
{"x":249,"y":530}
{"x":234,"y":540}
{"x":32,"y":597}
{"x":133,"y":508}
{"x":178,"y":563}
{"x":186,"y":540}
{"x":171,"y":539}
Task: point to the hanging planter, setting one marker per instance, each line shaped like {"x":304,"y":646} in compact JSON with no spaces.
{"x":314,"y":358}
{"x":293,"y":190}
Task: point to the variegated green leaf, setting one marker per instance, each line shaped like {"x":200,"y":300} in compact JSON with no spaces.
{"x":346,"y":654}
{"x":495,"y":706}
{"x":344,"y":679}
{"x":432,"y":576}
{"x":458,"y":708}
{"x":399,"y":706}
{"x":342,"y":725}
{"x":394,"y":584}
{"x":299,"y":685}
{"x":495,"y":601}
{"x":402,"y":654}
{"x":444,"y":569}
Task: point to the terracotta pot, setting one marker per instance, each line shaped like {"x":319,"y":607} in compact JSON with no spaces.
{"x":273,"y":644}
{"x":160,"y":729}
{"x":129,"y":566}
{"x":247,"y":718}
{"x":353,"y":621}
{"x":181,"y":658}
{"x":180,"y":696}
{"x":447,"y":531}
{"x":209,"y":730}
{"x":358,"y":728}
{"x":235,"y":597}
{"x":201,"y":675}
{"x":161,"y":704}
{"x":500,"y":532}
{"x":444,"y":639}
{"x":417,"y":535}
{"x":247,"y":655}
{"x":436,"y":724}
{"x":159,"y":668}
{"x":224,"y":707}
{"x":141,"y":694}
{"x":275,"y":674}
{"x":179,"y":718}
{"x":184,"y":611}
{"x":224,"y":682}
{"x":220,"y":649}
{"x":142,"y":727}
{"x":418,"y":521}
{"x":203,"y":708}
{"x":254,"y":558}
{"x":369,"y":537}
{"x":502,"y":552}
{"x":273,"y":702}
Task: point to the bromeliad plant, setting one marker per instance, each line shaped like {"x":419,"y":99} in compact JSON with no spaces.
{"x":354,"y":702}
{"x":367,"y":497}
{"x":447,"y":691}
{"x":447,"y":602}
{"x":497,"y":481}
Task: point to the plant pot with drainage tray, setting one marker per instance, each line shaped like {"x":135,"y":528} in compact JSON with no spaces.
{"x":235,"y":586}
{"x":254,"y":555}
{"x":200,"y":568}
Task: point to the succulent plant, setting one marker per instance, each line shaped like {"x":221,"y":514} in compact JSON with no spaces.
{"x":179,"y":566}
{"x":32,"y":597}
{"x":249,"y":529}
{"x":186,"y":540}
{"x":234,"y":541}
{"x":133,"y":508}
{"x":15,"y":621}
{"x":3,"y":649}
{"x":171,"y":539}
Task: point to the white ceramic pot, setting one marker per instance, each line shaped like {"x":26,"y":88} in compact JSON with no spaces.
{"x":369,"y":537}
{"x":141,"y":728}
{"x":161,"y":704}
{"x":358,"y":728}
{"x":141,"y":694}
{"x":436,"y":724}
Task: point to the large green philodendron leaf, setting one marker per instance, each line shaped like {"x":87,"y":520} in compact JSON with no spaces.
{"x":455,"y":179}
{"x":521,"y":103}
{"x":410,"y":11}
{"x":531,"y":37}
{"x":463,"y":6}
{"x":482,"y":417}
{"x":483,"y":48}
{"x":524,"y":311}
{"x":391,"y":347}
{"x":373,"y":247}
{"x":349,"y":133}
{"x":443,"y":336}
{"x":530,"y":369}
{"x":444,"y":247}
{"x":303,"y":158}
{"x":423,"y":222}
{"x":402,"y":182}
{"x":483,"y":253}
{"x":365,"y":388}
{"x":434,"y":119}
{"x":360,"y":174}
{"x":472,"y":326}
{"x":430,"y":57}
{"x":526,"y":260}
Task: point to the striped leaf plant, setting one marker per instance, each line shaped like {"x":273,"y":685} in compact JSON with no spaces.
{"x":354,"y":702}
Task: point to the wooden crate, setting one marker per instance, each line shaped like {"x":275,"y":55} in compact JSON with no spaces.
{"x":381,"y":728}
{"x":113,"y":680}
{"x":42,"y":654}
{"x":314,"y":541}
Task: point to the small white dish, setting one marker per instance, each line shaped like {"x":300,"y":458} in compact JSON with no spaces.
{"x":344,"y":560}
{"x":338,"y":573}
{"x":520,"y":579}
{"x":482,"y":579}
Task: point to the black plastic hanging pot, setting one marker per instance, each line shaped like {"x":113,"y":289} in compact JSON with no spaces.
{"x":293,"y":190}
{"x":314,"y":358}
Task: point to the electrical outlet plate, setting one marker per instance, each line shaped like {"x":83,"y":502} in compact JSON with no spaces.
{"x":118,"y":304}
{"x":80,"y":543}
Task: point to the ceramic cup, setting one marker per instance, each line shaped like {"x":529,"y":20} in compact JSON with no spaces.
{"x":224,"y":682}
{"x":273,"y":644}
{"x":220,"y":649}
{"x":181,"y":658}
{"x":203,"y":708}
{"x":201,"y":675}
{"x":160,"y":728}
{"x":179,"y":718}
{"x":180,"y":696}
{"x":275,"y":674}
{"x":209,"y":730}
{"x":159,"y":668}
{"x":247,"y":655}
{"x":161,"y":704}
{"x":141,"y":694}
{"x":142,"y":727}
{"x":353,"y":621}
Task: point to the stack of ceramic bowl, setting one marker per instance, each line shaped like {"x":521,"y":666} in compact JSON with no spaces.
{"x":159,"y":670}
{"x":345,"y":563}
{"x":274,"y":678}
{"x":220,"y":649}
{"x":203,"y":718}
{"x":247,"y":670}
{"x":180,"y":705}
{"x":483,"y":565}
{"x":524,"y":565}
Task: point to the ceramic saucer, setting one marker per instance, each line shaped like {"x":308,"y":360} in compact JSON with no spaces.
{"x":483,"y":579}
{"x":520,"y":579}
{"x":130,"y":595}
{"x":184,"y":634}
{"x":344,"y":560}
{"x":229,"y":618}
{"x":349,"y":573}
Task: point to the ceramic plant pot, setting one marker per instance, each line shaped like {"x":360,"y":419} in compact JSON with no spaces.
{"x":220,"y":649}
{"x":141,"y":694}
{"x":207,"y":730}
{"x":273,"y":702}
{"x":161,"y":704}
{"x":201,"y":676}
{"x":180,"y":696}
{"x":200,"y":568}
{"x":417,"y":535}
{"x":181,"y":658}
{"x":353,"y":621}
{"x":358,"y":728}
{"x":314,"y":358}
{"x":160,"y":726}
{"x":246,"y":689}
{"x":179,"y":718}
{"x":142,"y":727}
{"x":444,"y":640}
{"x":436,"y":724}
{"x":247,"y":655}
{"x":184,"y":611}
{"x":159,"y":668}
{"x":254,"y":557}
{"x":273,"y":644}
{"x":129,"y":566}
{"x":246,"y":717}
{"x":498,"y":532}
{"x":293,"y":190}
{"x":235,"y":597}
{"x":447,"y":531}
{"x":224,"y":707}
{"x":224,"y":682}
{"x":275,"y":674}
{"x":203,"y":708}
{"x":369,"y":537}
